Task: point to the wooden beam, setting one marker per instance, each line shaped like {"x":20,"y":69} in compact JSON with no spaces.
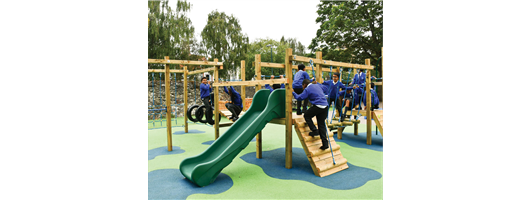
{"x":164,"y":71}
{"x":183,"y":62}
{"x":319,"y":68}
{"x":368,"y":104}
{"x":216,"y":101}
{"x":272,"y":65}
{"x":288,"y":109}
{"x":329,"y":62}
{"x":226,"y":124}
{"x":202,"y":70}
{"x":327,"y":70}
{"x":185,"y":98}
{"x":168,"y":106}
{"x":251,"y":83}
{"x":243,"y":88}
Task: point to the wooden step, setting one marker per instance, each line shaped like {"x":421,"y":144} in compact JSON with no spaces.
{"x":303,"y":124}
{"x":328,"y":160}
{"x":318,"y":142}
{"x":305,"y":130}
{"x":315,"y":151}
{"x":326,"y":156}
{"x":328,"y":164}
{"x":308,"y":138}
{"x":347,"y":123}
{"x":333,"y":170}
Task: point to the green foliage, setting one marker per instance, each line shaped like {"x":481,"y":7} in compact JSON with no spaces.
{"x":259,"y":46}
{"x":222,"y":38}
{"x":350,"y":28}
{"x":170,"y":32}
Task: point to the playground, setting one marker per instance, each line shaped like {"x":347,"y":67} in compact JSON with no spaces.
{"x":248,"y":177}
{"x":353,"y":163}
{"x":261,"y":144}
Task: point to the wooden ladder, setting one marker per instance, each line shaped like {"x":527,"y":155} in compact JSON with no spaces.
{"x":321,"y":160}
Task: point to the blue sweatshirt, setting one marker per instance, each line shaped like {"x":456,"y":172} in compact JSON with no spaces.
{"x":235,"y":98}
{"x":314,"y":93}
{"x":375,"y":98}
{"x":333,"y":88}
{"x":205,"y":90}
{"x":298,"y":78}
{"x":359,"y":79}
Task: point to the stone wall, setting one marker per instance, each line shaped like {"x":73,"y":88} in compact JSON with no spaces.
{"x":156,"y":96}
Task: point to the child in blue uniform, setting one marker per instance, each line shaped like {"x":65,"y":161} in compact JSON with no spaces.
{"x":206,"y":89}
{"x":235,"y":105}
{"x":375,"y":98}
{"x":333,"y":87}
{"x":299,"y":77}
{"x":359,"y":79}
{"x":347,"y":95}
{"x":316,"y":96}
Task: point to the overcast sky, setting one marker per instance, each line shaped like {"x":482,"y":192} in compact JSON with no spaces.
{"x":262,"y":19}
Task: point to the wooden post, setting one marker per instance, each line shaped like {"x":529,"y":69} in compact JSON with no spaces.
{"x":355,"y":128}
{"x":168,"y":107}
{"x":257,"y":61}
{"x":368,"y":106}
{"x":288,"y":110}
{"x":185,"y":98}
{"x":319,"y":68}
{"x":216,"y":101}
{"x":243,"y":88}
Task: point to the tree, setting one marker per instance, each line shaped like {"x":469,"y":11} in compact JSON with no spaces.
{"x":298,"y":48}
{"x":350,"y":28}
{"x":259,"y":46}
{"x":222,"y":38}
{"x":170,"y":32}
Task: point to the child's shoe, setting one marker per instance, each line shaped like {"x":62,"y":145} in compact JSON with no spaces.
{"x":313,"y":133}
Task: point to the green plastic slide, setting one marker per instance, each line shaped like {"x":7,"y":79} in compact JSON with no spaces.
{"x":203,"y":169}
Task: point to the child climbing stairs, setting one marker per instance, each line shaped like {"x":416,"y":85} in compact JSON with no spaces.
{"x":321,"y":160}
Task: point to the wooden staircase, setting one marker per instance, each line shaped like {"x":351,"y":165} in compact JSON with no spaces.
{"x":321,"y":161}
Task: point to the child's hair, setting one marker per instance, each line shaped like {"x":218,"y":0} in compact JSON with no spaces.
{"x":276,"y":86}
{"x":306,"y":82}
{"x":372,"y":85}
{"x":336,"y":74}
{"x":204,"y":78}
{"x":301,"y":67}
